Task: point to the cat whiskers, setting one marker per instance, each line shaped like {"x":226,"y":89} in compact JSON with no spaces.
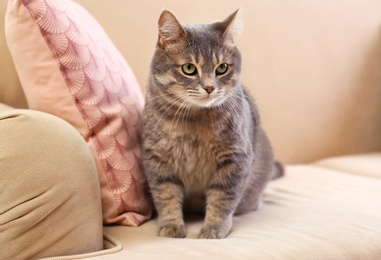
{"x":188,"y":107}
{"x":233,"y":107}
{"x":193,"y":93}
{"x":220,"y":93}
{"x":196,"y":95}
{"x":182,"y":111}
{"x":163,"y":95}
{"x":166,"y":104}
{"x":244,"y":99}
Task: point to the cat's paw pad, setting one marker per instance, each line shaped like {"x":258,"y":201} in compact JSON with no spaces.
{"x":212,"y":233}
{"x":172,"y":231}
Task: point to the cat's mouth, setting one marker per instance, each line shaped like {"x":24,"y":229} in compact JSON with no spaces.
{"x":199,"y":98}
{"x":206,"y":100}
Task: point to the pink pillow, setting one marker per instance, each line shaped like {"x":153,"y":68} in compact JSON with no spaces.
{"x":68,"y":67}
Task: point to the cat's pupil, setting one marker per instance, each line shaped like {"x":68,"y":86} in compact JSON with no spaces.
{"x":189,"y":69}
{"x":222,"y":69}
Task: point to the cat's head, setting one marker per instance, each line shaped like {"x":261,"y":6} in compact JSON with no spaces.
{"x":196,"y":65}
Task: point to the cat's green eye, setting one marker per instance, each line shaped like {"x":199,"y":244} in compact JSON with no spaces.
{"x":189,"y":69}
{"x":222,"y":69}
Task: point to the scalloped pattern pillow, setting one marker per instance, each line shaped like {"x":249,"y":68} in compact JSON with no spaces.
{"x":68,"y":67}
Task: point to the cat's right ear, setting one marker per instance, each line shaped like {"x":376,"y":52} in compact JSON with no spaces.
{"x":170,"y":30}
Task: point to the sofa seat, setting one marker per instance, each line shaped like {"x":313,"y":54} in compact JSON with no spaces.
{"x":330,"y":209}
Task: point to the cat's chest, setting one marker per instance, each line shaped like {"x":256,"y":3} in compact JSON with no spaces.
{"x":194,"y":160}
{"x":194,"y":154}
{"x":193,"y":147}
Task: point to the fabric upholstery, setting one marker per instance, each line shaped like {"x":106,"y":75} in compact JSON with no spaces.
{"x":50,"y":198}
{"x":363,"y":165}
{"x":311,"y":213}
{"x":314,"y":212}
{"x":314,"y":69}
{"x":4,"y":107}
{"x":73,"y":70}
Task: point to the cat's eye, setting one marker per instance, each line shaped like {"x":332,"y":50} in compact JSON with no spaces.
{"x":189,"y":69}
{"x":222,"y":69}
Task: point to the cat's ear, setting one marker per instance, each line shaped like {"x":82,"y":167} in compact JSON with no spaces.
{"x":170,"y":30}
{"x":231,"y":27}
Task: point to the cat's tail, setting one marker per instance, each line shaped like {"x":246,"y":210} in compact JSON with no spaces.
{"x":278,"y":170}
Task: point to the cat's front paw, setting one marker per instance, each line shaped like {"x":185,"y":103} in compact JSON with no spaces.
{"x":173,"y":231}
{"x":213,"y":233}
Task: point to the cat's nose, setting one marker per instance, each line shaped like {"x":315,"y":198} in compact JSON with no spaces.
{"x":209,"y":89}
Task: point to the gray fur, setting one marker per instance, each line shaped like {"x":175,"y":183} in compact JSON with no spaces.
{"x":202,"y":152}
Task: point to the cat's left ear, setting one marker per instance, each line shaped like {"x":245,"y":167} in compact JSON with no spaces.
{"x":231,"y":28}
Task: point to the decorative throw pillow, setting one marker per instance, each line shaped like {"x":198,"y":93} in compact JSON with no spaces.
{"x":68,"y":67}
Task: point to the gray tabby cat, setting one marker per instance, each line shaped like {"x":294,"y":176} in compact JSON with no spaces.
{"x":203,"y":147}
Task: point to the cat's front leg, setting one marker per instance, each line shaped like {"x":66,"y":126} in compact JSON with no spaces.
{"x":219,"y":214}
{"x":222,"y":199}
{"x":168,"y":197}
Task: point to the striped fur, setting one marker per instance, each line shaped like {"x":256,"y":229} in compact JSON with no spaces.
{"x":202,"y":152}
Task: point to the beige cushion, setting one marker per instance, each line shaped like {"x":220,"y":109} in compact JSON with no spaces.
{"x":363,"y":165}
{"x":311,"y":213}
{"x":4,"y":107}
{"x":50,"y":198}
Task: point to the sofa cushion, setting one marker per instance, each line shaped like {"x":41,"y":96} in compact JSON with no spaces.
{"x":311,"y":213}
{"x":4,"y":107}
{"x":43,"y":212}
{"x":69,"y":67}
{"x":363,"y":165}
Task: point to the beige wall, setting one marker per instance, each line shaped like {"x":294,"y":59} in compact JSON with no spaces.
{"x":314,"y":66}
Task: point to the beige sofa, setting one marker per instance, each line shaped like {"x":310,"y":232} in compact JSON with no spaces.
{"x":315,"y":70}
